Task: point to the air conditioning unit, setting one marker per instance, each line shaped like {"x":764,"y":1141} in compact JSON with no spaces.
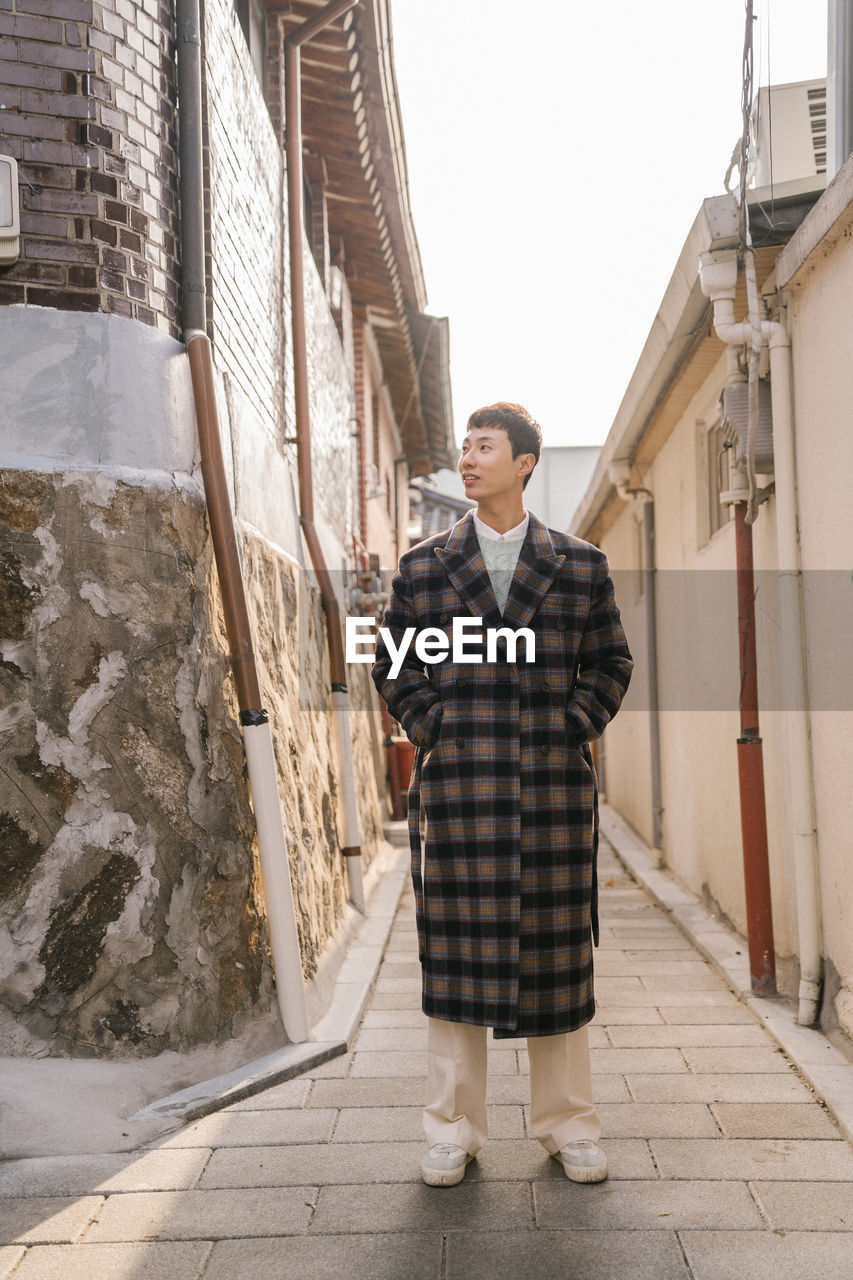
{"x":734,"y":406}
{"x":788,"y":129}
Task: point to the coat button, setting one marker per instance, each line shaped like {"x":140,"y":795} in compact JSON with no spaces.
{"x":460,"y":742}
{"x":560,"y":624}
{"x":460,"y":683}
{"x":444,"y":617}
{"x":543,"y":688}
{"x":544,"y":748}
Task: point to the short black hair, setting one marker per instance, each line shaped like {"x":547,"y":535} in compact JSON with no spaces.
{"x":525,"y":434}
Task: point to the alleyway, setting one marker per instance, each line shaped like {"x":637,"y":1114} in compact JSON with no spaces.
{"x":722,"y":1163}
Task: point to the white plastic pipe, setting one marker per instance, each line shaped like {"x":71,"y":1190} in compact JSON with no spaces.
{"x":275,"y":871}
{"x":801,"y":784}
{"x":346,"y":773}
{"x":718,"y":277}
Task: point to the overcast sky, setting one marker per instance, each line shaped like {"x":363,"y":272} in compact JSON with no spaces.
{"x":558,"y":153}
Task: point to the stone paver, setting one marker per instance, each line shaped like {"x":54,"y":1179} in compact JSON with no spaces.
{"x":250,"y":1128}
{"x":722,"y":1163}
{"x":380,"y":1257}
{"x":204,"y":1215}
{"x":748,"y":1035}
{"x":719,"y":1015}
{"x":293,"y":1093}
{"x":502,"y":1062}
{"x":731,"y":1255}
{"x":767,"y":1120}
{"x":10,"y":1256}
{"x":326,"y":1164}
{"x":378,"y":1124}
{"x":755,"y":1158}
{"x":43,"y":1220}
{"x":389,"y":1092}
{"x":806,"y":1206}
{"x":81,"y":1175}
{"x":616,"y":1015}
{"x":636,"y":1061}
{"x":154,"y":1261}
{"x":569,"y":1254}
{"x":484,"y":1206}
{"x":737,"y":1061}
{"x":394,"y":1038}
{"x":658,"y":1119}
{"x":393,"y":1018}
{"x":727,"y":1088}
{"x":682,"y":1015}
{"x":667,"y":1206}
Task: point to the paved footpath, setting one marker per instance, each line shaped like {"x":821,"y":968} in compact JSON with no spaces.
{"x":722,"y":1163}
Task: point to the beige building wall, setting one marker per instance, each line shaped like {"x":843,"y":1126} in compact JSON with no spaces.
{"x":698,"y":680}
{"x":822,"y":321}
{"x":812,"y":281}
{"x":626,"y":744}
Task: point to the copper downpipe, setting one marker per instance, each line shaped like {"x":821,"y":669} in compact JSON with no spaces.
{"x":254,"y":721}
{"x":257,"y":740}
{"x":293,"y":152}
{"x":753,"y":816}
{"x":222,"y":531}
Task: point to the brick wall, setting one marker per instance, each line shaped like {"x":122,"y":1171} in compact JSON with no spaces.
{"x":248,"y":268}
{"x":246,"y":223}
{"x":88,"y":91}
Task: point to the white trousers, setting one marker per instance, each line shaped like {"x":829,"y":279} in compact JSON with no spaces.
{"x":561,"y":1108}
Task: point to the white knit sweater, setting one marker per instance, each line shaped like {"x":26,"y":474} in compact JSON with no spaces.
{"x":501,"y":557}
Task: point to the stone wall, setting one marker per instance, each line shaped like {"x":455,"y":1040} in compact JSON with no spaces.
{"x":132,"y":918}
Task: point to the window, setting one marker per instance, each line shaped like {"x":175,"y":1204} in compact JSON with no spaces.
{"x":717,"y":477}
{"x":252,"y":18}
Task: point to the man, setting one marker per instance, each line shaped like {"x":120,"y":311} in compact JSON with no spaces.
{"x":502,"y":801}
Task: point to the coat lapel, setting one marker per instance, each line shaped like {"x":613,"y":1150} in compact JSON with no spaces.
{"x":537,"y":567}
{"x":464,"y":565}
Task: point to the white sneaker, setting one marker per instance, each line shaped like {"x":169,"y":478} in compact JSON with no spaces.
{"x":583,"y":1161}
{"x":444,"y":1165}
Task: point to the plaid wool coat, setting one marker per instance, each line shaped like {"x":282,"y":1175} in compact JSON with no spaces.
{"x":503,"y":819}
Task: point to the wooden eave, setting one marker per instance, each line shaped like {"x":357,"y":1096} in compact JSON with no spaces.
{"x":350,"y":118}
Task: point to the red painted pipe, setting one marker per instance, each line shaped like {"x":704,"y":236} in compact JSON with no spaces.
{"x":753,"y":816}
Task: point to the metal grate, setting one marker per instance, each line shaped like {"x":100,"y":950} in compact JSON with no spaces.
{"x":735,"y":415}
{"x":817,"y":120}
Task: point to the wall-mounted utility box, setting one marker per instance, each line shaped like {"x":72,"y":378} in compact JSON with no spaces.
{"x":735,"y":410}
{"x":10,"y":218}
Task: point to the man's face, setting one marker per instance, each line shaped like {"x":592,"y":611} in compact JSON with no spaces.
{"x":487,"y":466}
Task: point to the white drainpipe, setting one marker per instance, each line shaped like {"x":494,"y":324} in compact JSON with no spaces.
{"x":718,"y":277}
{"x":346,"y":773}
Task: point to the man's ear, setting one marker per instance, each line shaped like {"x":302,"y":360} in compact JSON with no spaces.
{"x":528,"y":461}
